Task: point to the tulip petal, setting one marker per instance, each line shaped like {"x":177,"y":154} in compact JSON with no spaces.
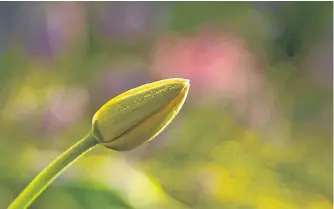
{"x":140,"y":114}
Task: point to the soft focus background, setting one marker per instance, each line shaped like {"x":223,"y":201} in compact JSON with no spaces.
{"x":256,"y":129}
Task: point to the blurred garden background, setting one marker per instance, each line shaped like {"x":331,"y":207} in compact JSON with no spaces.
{"x":256,"y":129}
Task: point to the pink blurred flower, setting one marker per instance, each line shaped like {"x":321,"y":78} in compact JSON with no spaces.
{"x":66,"y":106}
{"x":215,"y":62}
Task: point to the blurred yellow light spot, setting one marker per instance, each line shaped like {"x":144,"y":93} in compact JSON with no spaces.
{"x":320,"y":202}
{"x":267,"y":202}
{"x":223,"y":185}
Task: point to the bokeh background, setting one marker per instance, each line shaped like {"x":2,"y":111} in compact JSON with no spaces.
{"x":256,"y":129}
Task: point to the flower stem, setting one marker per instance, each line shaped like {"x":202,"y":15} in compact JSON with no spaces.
{"x":41,"y":182}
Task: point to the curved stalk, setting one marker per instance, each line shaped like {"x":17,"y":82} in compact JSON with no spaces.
{"x":43,"y":179}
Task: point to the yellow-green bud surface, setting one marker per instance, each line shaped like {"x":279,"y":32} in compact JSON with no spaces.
{"x":140,"y":114}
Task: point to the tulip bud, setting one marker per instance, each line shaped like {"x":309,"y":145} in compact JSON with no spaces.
{"x":140,"y":114}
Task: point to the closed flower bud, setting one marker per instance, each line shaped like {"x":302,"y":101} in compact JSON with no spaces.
{"x":140,"y":114}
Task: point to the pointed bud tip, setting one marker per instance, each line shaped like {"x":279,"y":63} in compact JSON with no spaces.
{"x":184,"y":82}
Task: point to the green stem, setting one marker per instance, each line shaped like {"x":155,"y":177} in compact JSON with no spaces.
{"x":40,"y":183}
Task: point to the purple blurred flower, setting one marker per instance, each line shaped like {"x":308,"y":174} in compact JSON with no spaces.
{"x":38,"y":41}
{"x":8,"y":19}
{"x":319,"y":64}
{"x":270,"y":6}
{"x":133,"y":19}
{"x":117,"y":79}
{"x":51,"y":28}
